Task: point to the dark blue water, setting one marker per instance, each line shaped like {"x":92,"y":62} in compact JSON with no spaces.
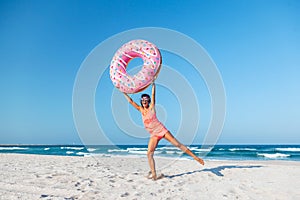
{"x":218,"y":152}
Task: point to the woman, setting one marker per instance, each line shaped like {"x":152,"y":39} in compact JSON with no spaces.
{"x":156,"y":129}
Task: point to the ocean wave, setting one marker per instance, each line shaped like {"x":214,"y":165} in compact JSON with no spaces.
{"x":273,"y":155}
{"x":82,"y":153}
{"x":93,"y":155}
{"x":167,"y":148}
{"x":202,"y":150}
{"x":138,"y":152}
{"x":136,"y":148}
{"x":117,"y":150}
{"x":288,"y":149}
{"x":69,"y":152}
{"x":174,"y":152}
{"x":171,"y":152}
{"x":73,"y":148}
{"x":91,"y":149}
{"x":242,"y":149}
{"x":13,"y":148}
{"x":46,"y":149}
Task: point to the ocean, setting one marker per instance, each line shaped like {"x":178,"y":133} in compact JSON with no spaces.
{"x":218,"y":152}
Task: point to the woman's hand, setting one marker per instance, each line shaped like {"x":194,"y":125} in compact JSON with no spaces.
{"x":125,"y":94}
{"x":154,"y":78}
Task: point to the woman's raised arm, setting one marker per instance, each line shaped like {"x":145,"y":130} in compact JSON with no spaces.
{"x":129,"y":99}
{"x":153,"y":94}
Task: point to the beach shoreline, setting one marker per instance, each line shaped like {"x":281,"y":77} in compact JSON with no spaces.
{"x":218,"y":152}
{"x":28,"y":176}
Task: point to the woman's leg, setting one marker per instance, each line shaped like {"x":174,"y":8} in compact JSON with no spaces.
{"x":168,"y":136}
{"x":153,"y":141}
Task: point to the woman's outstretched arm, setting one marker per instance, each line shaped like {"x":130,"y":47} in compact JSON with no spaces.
{"x":153,"y":94}
{"x":129,"y":99}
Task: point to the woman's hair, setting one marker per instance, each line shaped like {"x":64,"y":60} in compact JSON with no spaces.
{"x":145,"y":95}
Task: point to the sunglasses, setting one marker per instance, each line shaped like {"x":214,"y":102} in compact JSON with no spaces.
{"x":145,"y":100}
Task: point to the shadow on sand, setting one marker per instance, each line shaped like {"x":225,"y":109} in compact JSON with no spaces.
{"x":215,"y":170}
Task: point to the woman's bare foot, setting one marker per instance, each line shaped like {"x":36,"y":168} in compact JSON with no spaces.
{"x":199,"y":160}
{"x":149,"y":176}
{"x":157,"y":177}
{"x":154,"y":177}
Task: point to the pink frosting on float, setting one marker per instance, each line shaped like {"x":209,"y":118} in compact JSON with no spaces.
{"x":141,"y":80}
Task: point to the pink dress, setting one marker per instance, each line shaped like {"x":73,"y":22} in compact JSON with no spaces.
{"x":152,"y":125}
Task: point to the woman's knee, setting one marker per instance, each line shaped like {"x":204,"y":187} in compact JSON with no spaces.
{"x":150,"y":154}
{"x":179,"y":145}
{"x":176,"y":143}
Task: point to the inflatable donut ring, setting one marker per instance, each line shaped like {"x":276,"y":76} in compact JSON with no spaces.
{"x":140,"y":81}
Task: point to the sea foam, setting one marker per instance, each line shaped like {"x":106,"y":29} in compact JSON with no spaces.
{"x":273,"y":155}
{"x":13,"y":148}
{"x":288,"y":149}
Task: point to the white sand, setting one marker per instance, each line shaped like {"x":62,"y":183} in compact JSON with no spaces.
{"x":58,"y":177}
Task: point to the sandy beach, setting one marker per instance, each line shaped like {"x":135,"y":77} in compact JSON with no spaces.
{"x":65,"y":177}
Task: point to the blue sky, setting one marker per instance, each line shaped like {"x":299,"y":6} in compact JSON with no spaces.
{"x":255,"y":45}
